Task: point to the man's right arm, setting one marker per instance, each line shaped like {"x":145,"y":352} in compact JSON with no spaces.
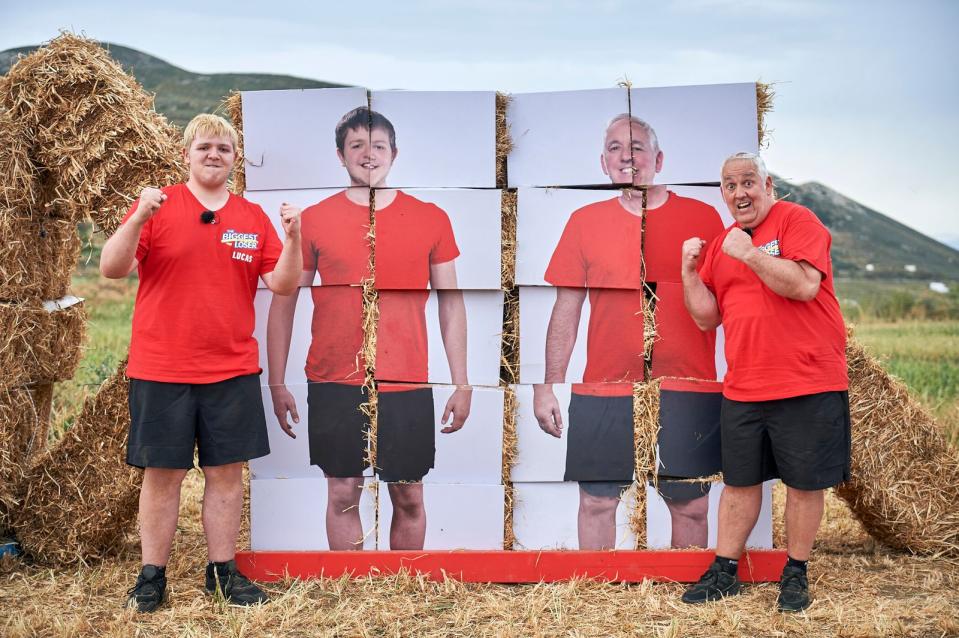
{"x":279,"y":335}
{"x":560,"y":339}
{"x":119,"y":255}
{"x":700,"y":302}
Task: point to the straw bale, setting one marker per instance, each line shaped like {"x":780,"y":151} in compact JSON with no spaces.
{"x":905,"y":476}
{"x":371,"y":316}
{"x":504,"y":141}
{"x":637,"y":517}
{"x":764,"y":105}
{"x":510,"y":406}
{"x":94,"y":132}
{"x":24,"y":423}
{"x":233,"y":105}
{"x":646,"y":426}
{"x":39,"y":257}
{"x":37,"y":345}
{"x":19,"y":181}
{"x":509,"y":358}
{"x":81,"y":497}
{"x":508,"y":240}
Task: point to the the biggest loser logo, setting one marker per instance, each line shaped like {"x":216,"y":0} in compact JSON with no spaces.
{"x":240,"y":240}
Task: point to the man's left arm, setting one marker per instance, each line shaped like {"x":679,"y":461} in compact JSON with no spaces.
{"x":452,"y":315}
{"x":798,"y":280}
{"x":285,"y":277}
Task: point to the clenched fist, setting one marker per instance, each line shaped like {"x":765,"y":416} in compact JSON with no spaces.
{"x":290,"y":218}
{"x":737,"y":244}
{"x":692,"y":251}
{"x":150,"y":201}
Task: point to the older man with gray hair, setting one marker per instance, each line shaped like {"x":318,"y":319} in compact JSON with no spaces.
{"x":768,"y":279}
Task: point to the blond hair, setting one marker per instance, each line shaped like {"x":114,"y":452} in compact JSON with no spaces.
{"x":209,"y":124}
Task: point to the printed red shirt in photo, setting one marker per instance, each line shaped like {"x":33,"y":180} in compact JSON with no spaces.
{"x":776,"y":347}
{"x":600,"y":250}
{"x":193,"y":318}
{"x":411,"y":235}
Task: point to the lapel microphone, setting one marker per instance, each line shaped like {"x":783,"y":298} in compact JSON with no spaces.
{"x":208,"y":217}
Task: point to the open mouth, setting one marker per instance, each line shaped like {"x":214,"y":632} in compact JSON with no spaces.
{"x":743,"y":205}
{"x":369,"y":166}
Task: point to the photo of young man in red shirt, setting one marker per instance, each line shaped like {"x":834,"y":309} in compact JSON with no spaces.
{"x":414,"y":249}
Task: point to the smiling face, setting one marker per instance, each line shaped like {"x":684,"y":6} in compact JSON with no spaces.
{"x":748,"y":196}
{"x":210,"y":159}
{"x":367,"y":156}
{"x":629,"y":155}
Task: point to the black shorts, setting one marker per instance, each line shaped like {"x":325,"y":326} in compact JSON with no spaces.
{"x":672,"y":491}
{"x":689,"y":433}
{"x":599,"y":440}
{"x":338,"y":432}
{"x":224,"y":420}
{"x":803,"y":440}
{"x":337,"y":429}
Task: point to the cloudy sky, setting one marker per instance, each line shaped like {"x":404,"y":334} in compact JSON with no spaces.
{"x":866,"y":92}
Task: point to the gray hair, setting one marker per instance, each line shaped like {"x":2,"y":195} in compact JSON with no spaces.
{"x":752,"y":158}
{"x":643,"y":124}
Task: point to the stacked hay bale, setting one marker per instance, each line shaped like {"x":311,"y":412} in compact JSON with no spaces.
{"x":905,"y":476}
{"x":81,"y":138}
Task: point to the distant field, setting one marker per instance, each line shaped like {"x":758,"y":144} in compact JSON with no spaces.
{"x":884,"y":300}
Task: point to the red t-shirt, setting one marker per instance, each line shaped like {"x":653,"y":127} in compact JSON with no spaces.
{"x":776,"y":347}
{"x":193,"y":319}
{"x":411,"y":235}
{"x":600,"y":249}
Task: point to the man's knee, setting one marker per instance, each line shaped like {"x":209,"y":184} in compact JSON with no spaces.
{"x":161,"y":479}
{"x":344,"y":493}
{"x":691,"y":511}
{"x":804,"y":496}
{"x":593,"y":505}
{"x":224,"y":479}
{"x":407,"y":498}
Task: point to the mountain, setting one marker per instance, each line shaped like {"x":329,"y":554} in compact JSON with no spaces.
{"x":861,"y":236}
{"x":181,"y":94}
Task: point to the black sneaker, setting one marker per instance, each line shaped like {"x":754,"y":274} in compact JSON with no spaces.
{"x":149,"y":591}
{"x":235,"y":588}
{"x":713,"y":585}
{"x":793,"y":590}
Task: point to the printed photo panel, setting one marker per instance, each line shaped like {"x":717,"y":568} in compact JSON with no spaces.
{"x":438,"y":238}
{"x":697,"y":127}
{"x":611,"y":318}
{"x":289,"y":139}
{"x":331,"y":436}
{"x":334,"y":232}
{"x":688,"y":445}
{"x":545,"y":516}
{"x":559,"y":137}
{"x":444,"y":139}
{"x":325,"y":324}
{"x":686,"y":514}
{"x":414,"y":444}
{"x":577,"y":238}
{"x":457,"y":516}
{"x":412,"y":346}
{"x":595,"y":441}
{"x":291,"y":514}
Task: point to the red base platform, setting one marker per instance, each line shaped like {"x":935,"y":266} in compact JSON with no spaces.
{"x":508,"y":566}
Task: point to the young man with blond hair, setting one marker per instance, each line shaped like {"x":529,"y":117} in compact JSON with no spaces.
{"x":193,"y":363}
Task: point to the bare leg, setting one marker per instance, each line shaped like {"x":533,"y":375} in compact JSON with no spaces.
{"x":343,"y":527}
{"x":688,"y":519}
{"x":408,"y":527}
{"x":738,"y":513}
{"x":222,"y":508}
{"x":596,"y":521}
{"x":803,"y":515}
{"x":159,"y":510}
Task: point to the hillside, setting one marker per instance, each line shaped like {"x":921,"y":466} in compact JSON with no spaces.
{"x":864,"y":236}
{"x":181,"y":94}
{"x":861,"y":235}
